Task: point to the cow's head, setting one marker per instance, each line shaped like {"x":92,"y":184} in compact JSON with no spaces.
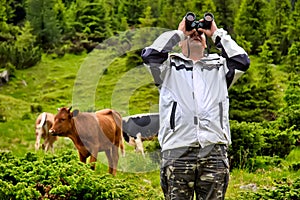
{"x":63,"y":122}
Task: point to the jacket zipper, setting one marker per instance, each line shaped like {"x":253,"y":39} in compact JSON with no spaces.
{"x":172,"y":117}
{"x":221,"y":114}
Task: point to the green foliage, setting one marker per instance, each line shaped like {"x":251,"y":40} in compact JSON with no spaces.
{"x":278,"y":142}
{"x":276,"y":28}
{"x":282,"y":189}
{"x":295,"y":166}
{"x":247,"y":141}
{"x":250,"y":140}
{"x":21,"y":52}
{"x":249,"y":24}
{"x":290,"y":114}
{"x":256,"y":96}
{"x":266,"y":28}
{"x":44,"y":21}
{"x":147,"y":21}
{"x":292,"y":93}
{"x":263,"y":162}
{"x":267,"y":52}
{"x":292,"y":59}
{"x":224,"y":14}
{"x":61,"y":176}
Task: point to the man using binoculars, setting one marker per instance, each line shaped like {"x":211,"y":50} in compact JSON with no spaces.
{"x":194,"y":125}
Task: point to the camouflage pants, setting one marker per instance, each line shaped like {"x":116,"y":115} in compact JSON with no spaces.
{"x":194,"y":170}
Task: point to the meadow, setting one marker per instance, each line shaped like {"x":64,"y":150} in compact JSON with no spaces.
{"x":91,"y":83}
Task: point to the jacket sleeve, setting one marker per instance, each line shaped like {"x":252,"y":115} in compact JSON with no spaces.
{"x":155,"y":55}
{"x":237,"y":59}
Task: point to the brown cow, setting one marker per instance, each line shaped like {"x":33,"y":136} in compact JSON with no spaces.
{"x":42,"y":125}
{"x":91,"y":133}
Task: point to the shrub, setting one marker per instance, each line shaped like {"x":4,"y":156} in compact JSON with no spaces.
{"x":282,"y":189}
{"x":250,"y":140}
{"x":263,"y":162}
{"x":278,"y":142}
{"x":21,"y":52}
{"x":62,"y":176}
{"x":247,"y":141}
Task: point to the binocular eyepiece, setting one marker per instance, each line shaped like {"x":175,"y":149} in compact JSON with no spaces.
{"x":191,"y":22}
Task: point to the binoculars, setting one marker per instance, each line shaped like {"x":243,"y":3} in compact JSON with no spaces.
{"x":191,"y":22}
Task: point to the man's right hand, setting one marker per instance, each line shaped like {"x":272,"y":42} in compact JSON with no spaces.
{"x":182,"y":28}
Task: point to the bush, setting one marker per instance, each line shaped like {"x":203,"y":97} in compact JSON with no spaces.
{"x":61,"y":176}
{"x":278,"y":142}
{"x":282,"y":189}
{"x":250,"y":140}
{"x":263,"y":162}
{"x":247,"y":141}
{"x":21,"y":52}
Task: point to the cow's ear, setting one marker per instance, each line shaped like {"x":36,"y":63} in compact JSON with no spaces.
{"x":75,"y":113}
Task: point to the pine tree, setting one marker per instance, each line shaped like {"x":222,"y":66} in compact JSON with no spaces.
{"x":224,"y":14}
{"x":6,"y":14}
{"x":249,"y":25}
{"x":147,"y":21}
{"x":19,"y":13}
{"x":96,"y":23}
{"x":293,"y":59}
{"x":42,"y":17}
{"x":278,"y":16}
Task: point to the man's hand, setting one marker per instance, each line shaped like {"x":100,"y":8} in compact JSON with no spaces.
{"x":182,"y":28}
{"x":211,"y":31}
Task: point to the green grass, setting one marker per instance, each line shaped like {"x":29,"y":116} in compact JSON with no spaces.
{"x":262,"y":178}
{"x":59,"y":82}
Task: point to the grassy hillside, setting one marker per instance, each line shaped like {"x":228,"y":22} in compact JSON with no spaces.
{"x":81,"y":81}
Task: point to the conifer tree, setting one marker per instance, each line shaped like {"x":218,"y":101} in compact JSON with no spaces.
{"x":249,"y":25}
{"x":6,"y":13}
{"x":278,"y":16}
{"x":147,"y":20}
{"x":293,"y":33}
{"x":224,"y":14}
{"x":19,"y":13}
{"x":95,"y":23}
{"x":42,"y":17}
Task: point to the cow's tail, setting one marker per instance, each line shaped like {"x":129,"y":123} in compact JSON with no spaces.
{"x":43,"y":120}
{"x":118,"y":119}
{"x":39,"y":130}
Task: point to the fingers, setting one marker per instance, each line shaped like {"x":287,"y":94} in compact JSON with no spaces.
{"x":210,"y":32}
{"x":182,"y":27}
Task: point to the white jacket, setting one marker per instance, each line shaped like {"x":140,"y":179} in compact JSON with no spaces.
{"x":194,"y":101}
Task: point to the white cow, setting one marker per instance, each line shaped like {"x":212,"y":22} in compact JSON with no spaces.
{"x":43,"y":124}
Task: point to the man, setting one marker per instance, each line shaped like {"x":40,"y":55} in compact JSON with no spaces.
{"x":194,"y":127}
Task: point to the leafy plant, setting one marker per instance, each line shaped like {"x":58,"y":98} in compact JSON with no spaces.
{"x":61,"y":176}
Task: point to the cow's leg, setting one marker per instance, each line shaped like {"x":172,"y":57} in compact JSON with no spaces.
{"x":46,"y":144}
{"x":51,"y":143}
{"x":115,"y":158}
{"x":93,"y":160}
{"x":38,"y":139}
{"x":109,"y":156}
{"x":51,"y":147}
{"x":82,"y":158}
{"x":122,"y":146}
